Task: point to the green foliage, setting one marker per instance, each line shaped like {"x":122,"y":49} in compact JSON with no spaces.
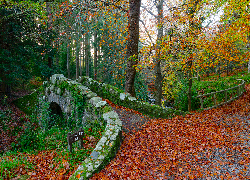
{"x":181,"y":101}
{"x":20,"y":53}
{"x":141,"y":88}
{"x":28,"y":139}
{"x":35,"y":83}
{"x":5,"y":118}
{"x":106,"y":109}
{"x":205,"y":87}
{"x":27,"y":103}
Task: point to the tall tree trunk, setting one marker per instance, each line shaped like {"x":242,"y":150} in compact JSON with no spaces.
{"x":86,"y":54}
{"x":132,"y":45}
{"x":49,"y":30}
{"x":190,"y":82}
{"x":83,"y":54}
{"x":248,"y":48}
{"x":77,"y":59}
{"x":95,"y":55}
{"x":68,"y":57}
{"x":77,"y":50}
{"x":98,"y":57}
{"x":80,"y":58}
{"x":57,"y":47}
{"x":193,"y":25}
{"x":158,"y":74}
{"x":89,"y":56}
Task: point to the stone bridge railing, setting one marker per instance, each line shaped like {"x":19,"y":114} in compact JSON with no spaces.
{"x":66,"y":93}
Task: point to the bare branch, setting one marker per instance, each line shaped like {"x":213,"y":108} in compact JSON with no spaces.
{"x":150,"y":12}
{"x":146,"y":31}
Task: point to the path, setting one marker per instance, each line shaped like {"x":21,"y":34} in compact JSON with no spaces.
{"x":213,"y":144}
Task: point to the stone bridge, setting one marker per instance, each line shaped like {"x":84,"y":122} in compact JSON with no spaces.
{"x":71,"y":100}
{"x":77,"y":101}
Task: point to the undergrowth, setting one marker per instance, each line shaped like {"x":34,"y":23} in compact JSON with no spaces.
{"x":33,"y":140}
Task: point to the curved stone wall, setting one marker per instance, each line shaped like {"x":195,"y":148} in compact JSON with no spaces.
{"x":65,"y":92}
{"x":121,"y":98}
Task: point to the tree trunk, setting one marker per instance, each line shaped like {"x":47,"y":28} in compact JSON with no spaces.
{"x":57,"y":48}
{"x":83,"y":54}
{"x":77,"y":52}
{"x":49,"y":29}
{"x":80,"y":58}
{"x":86,"y":55}
{"x":77,"y":60}
{"x":248,"y":47}
{"x":158,"y":74}
{"x":193,"y":25}
{"x":98,"y":57}
{"x":68,"y":58}
{"x":190,"y":81}
{"x":132,"y":45}
{"x":95,"y":55}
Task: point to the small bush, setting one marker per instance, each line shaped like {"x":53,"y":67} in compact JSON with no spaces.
{"x":181,"y":101}
{"x":35,"y":82}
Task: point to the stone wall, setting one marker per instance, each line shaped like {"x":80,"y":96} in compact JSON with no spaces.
{"x":119,"y":97}
{"x":65,"y":92}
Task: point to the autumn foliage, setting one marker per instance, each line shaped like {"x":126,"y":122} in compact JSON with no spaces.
{"x":204,"y":144}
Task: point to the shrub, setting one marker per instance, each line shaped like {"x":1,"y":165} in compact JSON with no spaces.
{"x":181,"y":101}
{"x":35,"y":82}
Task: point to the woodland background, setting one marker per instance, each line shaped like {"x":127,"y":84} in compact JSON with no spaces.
{"x":162,"y":52}
{"x":100,"y":39}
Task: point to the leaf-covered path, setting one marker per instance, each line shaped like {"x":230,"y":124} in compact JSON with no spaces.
{"x":213,"y":144}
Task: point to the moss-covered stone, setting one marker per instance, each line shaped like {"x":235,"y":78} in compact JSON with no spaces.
{"x":106,"y":109}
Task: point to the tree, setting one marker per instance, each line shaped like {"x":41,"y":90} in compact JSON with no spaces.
{"x":159,"y":77}
{"x":20,"y":52}
{"x":237,"y":15}
{"x":193,"y":7}
{"x":132,"y":45}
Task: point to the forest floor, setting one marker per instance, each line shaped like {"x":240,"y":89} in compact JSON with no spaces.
{"x":212,"y":144}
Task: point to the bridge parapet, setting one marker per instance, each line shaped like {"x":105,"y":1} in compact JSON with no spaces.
{"x":80,"y":105}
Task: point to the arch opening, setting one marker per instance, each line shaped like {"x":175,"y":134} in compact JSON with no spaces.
{"x":55,"y":116}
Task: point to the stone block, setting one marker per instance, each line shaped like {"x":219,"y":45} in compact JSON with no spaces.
{"x":95,"y":100}
{"x":94,"y":155}
{"x":54,"y":78}
{"x":52,"y":88}
{"x":59,"y":91}
{"x":91,"y":94}
{"x":123,"y":95}
{"x":68,"y":109}
{"x":100,"y":104}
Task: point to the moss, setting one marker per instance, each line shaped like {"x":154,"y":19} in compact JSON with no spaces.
{"x":73,"y":177}
{"x":106,"y":109}
{"x":112,"y":153}
{"x":63,"y":85}
{"x":24,"y":177}
{"x":27,"y":103}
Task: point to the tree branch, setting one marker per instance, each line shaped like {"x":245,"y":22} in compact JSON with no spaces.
{"x":150,"y":12}
{"x":147,"y":31}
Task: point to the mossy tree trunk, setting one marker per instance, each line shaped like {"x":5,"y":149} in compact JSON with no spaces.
{"x":132,"y":45}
